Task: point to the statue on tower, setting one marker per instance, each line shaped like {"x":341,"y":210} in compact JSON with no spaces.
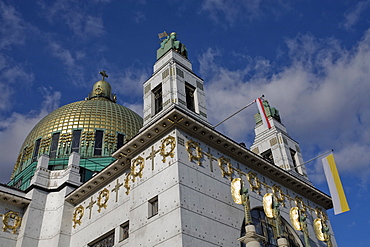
{"x":171,"y":42}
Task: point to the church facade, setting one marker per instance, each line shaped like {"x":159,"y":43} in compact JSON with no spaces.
{"x":177,"y":182}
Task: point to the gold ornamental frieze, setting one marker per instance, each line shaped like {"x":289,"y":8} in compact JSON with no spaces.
{"x":127,"y":181}
{"x":321,"y":228}
{"x":77,"y":216}
{"x":194,"y":146}
{"x":103,"y":198}
{"x":138,"y":162}
{"x":168,"y":147}
{"x":254,"y":182}
{"x":226,"y":167}
{"x":11,"y":221}
{"x":278,"y":194}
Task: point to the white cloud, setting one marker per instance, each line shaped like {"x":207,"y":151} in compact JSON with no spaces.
{"x":12,"y":28}
{"x":233,"y":11}
{"x":14,"y":130}
{"x":76,"y":16}
{"x":352,"y":16}
{"x":323,"y":98}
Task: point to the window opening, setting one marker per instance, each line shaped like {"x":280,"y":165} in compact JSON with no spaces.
{"x":153,"y":207}
{"x":98,"y":147}
{"x":76,"y":141}
{"x":35,"y":150}
{"x":54,"y":145}
{"x":158,"y":104}
{"x":292,"y":154}
{"x":124,"y":231}
{"x":105,"y":241}
{"x":268,"y":156}
{"x":190,"y":91}
{"x":120,"y":140}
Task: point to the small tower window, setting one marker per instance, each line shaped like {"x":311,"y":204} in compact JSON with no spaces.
{"x":120,"y":140}
{"x":158,"y":102}
{"x":190,"y":91}
{"x":292,"y":155}
{"x":54,"y":145}
{"x":153,"y":207}
{"x":35,"y":151}
{"x":268,"y":156}
{"x":124,"y":231}
{"x":76,"y":141}
{"x":98,"y":147}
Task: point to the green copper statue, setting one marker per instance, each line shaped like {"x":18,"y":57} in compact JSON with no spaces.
{"x":171,"y":42}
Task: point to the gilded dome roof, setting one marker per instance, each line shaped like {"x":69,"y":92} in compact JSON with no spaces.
{"x":55,"y":135}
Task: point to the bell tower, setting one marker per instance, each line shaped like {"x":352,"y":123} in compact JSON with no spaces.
{"x":173,"y":83}
{"x":275,"y":145}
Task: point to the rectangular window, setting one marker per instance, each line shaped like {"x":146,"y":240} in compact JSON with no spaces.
{"x":124,"y":231}
{"x":153,"y":207}
{"x":190,"y":91}
{"x":35,"y":150}
{"x":292,"y":154}
{"x":98,"y":147}
{"x":76,"y":141}
{"x":158,"y":101}
{"x":107,"y":240}
{"x":120,"y":140}
{"x":54,"y":145}
{"x":268,"y":155}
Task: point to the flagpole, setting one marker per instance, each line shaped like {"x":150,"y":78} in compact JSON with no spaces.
{"x":332,"y":150}
{"x":254,"y":101}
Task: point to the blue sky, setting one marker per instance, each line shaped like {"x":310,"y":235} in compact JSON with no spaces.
{"x":311,"y":60}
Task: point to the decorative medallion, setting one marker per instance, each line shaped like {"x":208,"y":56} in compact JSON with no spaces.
{"x":98,"y":90}
{"x":190,"y":145}
{"x":254,"y":182}
{"x":278,"y":194}
{"x":165,"y":152}
{"x":138,"y":162}
{"x":12,"y":221}
{"x":320,"y":227}
{"x":77,"y":215}
{"x":103,"y":198}
{"x":268,"y":205}
{"x":236,"y":186}
{"x":225,"y":162}
{"x":294,"y":218}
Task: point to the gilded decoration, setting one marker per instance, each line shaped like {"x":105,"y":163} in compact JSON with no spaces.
{"x":169,"y":141}
{"x":321,"y":228}
{"x":193,"y":145}
{"x":278,"y":194}
{"x":254,"y":182}
{"x":103,"y":198}
{"x":138,"y":162}
{"x":77,"y":216}
{"x":268,"y":206}
{"x":222,"y":162}
{"x":12,"y":221}
{"x":294,"y":218}
{"x":127,"y":181}
{"x":236,"y":186}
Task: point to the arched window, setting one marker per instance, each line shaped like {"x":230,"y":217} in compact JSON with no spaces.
{"x":266,"y":227}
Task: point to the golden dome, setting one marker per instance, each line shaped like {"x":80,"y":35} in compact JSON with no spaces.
{"x":98,"y":113}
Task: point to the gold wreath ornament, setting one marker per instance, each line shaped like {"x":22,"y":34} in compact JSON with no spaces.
{"x":103,"y":199}
{"x":190,"y":145}
{"x":139,"y":161}
{"x":170,"y":140}
{"x":9,"y":218}
{"x":77,"y":215}
{"x":254,"y":182}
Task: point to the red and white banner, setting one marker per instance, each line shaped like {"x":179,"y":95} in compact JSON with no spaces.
{"x":261,"y":109}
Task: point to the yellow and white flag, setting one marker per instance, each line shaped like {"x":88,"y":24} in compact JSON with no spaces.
{"x":335,"y":185}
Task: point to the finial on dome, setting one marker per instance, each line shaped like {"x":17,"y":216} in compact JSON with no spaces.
{"x":104,"y":74}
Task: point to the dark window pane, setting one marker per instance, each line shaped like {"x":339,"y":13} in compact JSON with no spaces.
{"x":120,"y":140}
{"x":76,"y":141}
{"x":189,"y":91}
{"x":54,"y":145}
{"x":158,"y":104}
{"x":35,"y":150}
{"x":98,"y":143}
